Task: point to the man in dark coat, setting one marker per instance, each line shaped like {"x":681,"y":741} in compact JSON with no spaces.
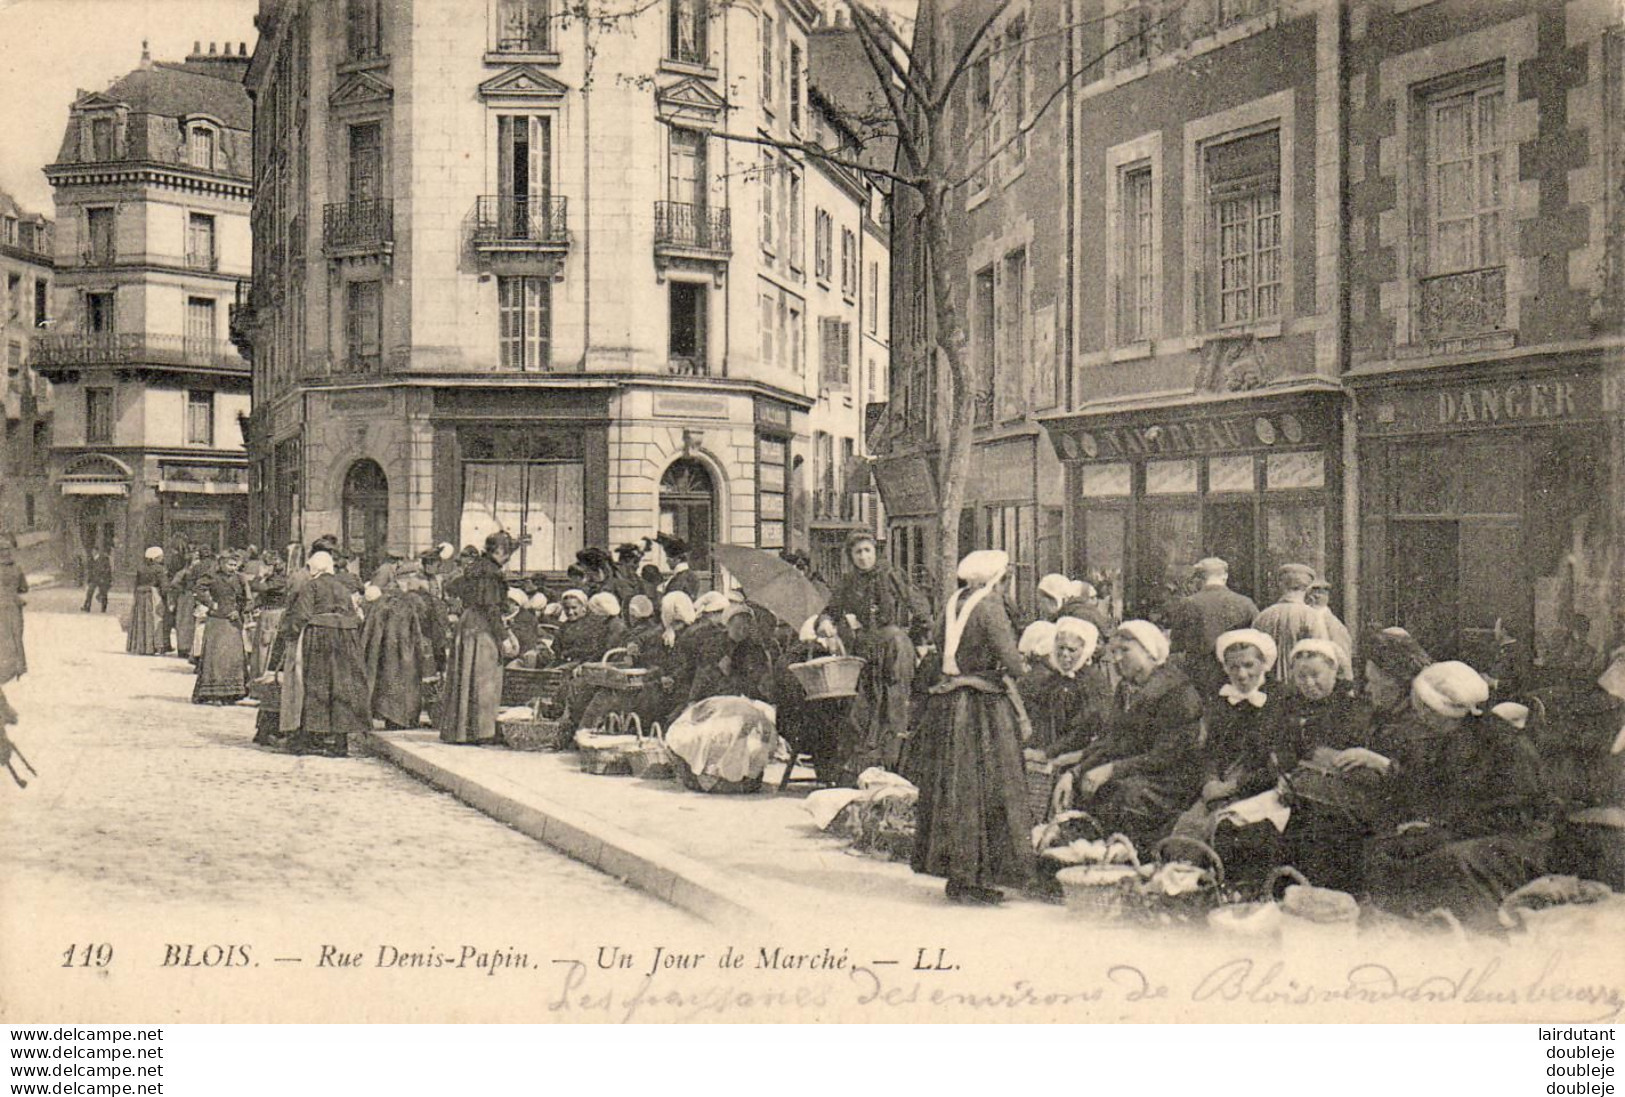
{"x":1196,"y":622}
{"x":98,"y":579}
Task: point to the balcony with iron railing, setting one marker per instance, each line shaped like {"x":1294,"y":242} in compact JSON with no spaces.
{"x":1461,"y":304}
{"x":98,"y":255}
{"x":200,"y":259}
{"x":240,"y":319}
{"x":687,"y":228}
{"x":78,"y":350}
{"x":503,"y":222}
{"x":357,"y":227}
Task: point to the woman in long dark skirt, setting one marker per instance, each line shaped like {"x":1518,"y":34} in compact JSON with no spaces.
{"x":974,"y":823}
{"x":324,"y":685}
{"x":223,"y":671}
{"x":148,"y":635}
{"x":13,"y":659}
{"x":473,"y":683}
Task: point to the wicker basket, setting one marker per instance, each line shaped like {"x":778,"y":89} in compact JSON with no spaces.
{"x":652,"y":761}
{"x":1040,"y":789}
{"x":704,"y":782}
{"x":538,"y":733}
{"x":523,"y":686}
{"x":829,"y":676}
{"x":613,"y":671}
{"x":608,"y":751}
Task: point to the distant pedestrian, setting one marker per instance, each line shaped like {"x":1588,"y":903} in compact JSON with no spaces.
{"x":148,"y":634}
{"x":1320,"y":598}
{"x":473,"y":681}
{"x":98,"y":579}
{"x":1292,"y":618}
{"x":222,"y":662}
{"x":1197,"y":621}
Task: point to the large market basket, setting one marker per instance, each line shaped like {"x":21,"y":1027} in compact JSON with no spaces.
{"x":829,"y":676}
{"x":539,"y":732}
{"x":608,"y":750}
{"x":613,"y":671}
{"x":524,"y":686}
{"x":652,"y":760}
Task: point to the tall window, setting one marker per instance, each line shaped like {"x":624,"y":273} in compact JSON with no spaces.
{"x":1244,"y":202}
{"x":200,"y":328}
{"x":522,"y":27}
{"x":978,"y":121}
{"x":769,"y":214}
{"x":793,"y":212}
{"x":100,"y":318}
{"x":795,"y":85}
{"x":98,"y":416}
{"x":835,"y":352}
{"x":849,"y":262}
{"x":200,"y":253}
{"x":363,"y":326}
{"x":795,"y":355}
{"x":42,"y":302}
{"x":101,"y":139}
{"x":1015,"y":92}
{"x":688,"y":340}
{"x":687,"y":182}
{"x":687,"y":32}
{"x":767,"y":78}
{"x":772,"y":488}
{"x":200,"y":418}
{"x":362,"y":30}
{"x":823,"y":244}
{"x":873,"y":305}
{"x":769,"y":328}
{"x":525,"y":175}
{"x":99,"y":231}
{"x":1467,"y":192}
{"x":366,"y":162}
{"x":984,"y":321}
{"x":525,"y":307}
{"x":1012,"y":319}
{"x":1136,"y":259}
{"x":200,"y":148}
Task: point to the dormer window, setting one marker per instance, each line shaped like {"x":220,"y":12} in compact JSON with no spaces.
{"x":101,"y":139}
{"x":200,"y":146}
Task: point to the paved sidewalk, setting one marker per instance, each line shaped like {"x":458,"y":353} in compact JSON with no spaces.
{"x":732,"y":859}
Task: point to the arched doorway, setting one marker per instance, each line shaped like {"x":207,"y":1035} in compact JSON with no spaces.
{"x":366,"y":514}
{"x":688,"y":509}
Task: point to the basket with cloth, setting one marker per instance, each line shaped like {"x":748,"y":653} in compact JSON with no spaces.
{"x":723,"y":744}
{"x":526,"y":727}
{"x":609,"y":749}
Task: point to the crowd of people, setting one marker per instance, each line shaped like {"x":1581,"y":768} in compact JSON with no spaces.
{"x":1265,"y":735}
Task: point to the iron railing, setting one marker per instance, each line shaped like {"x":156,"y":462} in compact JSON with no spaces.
{"x":682,"y":365}
{"x":202,"y":260}
{"x":98,"y":256}
{"x":362,"y":224}
{"x":686,"y":225}
{"x":502,"y":220}
{"x":133,"y":349}
{"x":1469,"y":302}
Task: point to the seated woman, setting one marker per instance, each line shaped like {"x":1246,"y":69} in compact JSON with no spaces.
{"x":594,"y":636}
{"x":747,"y":667}
{"x":642,"y":639}
{"x":1064,"y":693}
{"x":1142,"y":772}
{"x":1467,"y":821}
{"x":576,"y":637}
{"x":813,"y":728}
{"x":706,"y":643}
{"x":1063,"y":597}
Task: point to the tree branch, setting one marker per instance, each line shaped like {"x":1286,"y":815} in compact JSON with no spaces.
{"x":967,"y":55}
{"x":819,"y":152}
{"x":881,"y":62}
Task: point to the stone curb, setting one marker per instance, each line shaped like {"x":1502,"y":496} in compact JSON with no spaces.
{"x":665,"y":874}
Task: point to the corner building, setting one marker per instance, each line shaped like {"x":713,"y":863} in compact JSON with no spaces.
{"x":510,"y":274}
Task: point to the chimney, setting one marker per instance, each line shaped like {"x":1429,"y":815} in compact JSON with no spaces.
{"x":146,"y":55}
{"x":222,"y":63}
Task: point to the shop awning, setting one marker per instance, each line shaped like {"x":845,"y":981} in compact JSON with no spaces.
{"x":95,"y":487}
{"x":204,"y":487}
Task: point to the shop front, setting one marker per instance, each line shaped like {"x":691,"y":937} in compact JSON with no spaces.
{"x":1485,"y":497}
{"x":1255,"y":482}
{"x":204,"y":504}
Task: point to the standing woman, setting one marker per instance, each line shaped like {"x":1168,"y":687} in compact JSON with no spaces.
{"x":270,"y":593}
{"x":148,"y":635}
{"x":473,"y":687}
{"x":183,"y":590}
{"x":223,"y":671}
{"x":324,"y":687}
{"x":974,"y":820}
{"x":13,"y":660}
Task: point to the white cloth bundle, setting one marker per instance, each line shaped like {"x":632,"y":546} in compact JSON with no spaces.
{"x":732,"y":738}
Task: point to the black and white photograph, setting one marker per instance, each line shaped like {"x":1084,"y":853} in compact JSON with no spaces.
{"x":873,"y":511}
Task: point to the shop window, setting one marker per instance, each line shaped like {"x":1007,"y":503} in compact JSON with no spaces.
{"x":1287,"y":471}
{"x":200,"y":418}
{"x":1423,"y":479}
{"x":524,"y":317}
{"x":522,"y":26}
{"x":1227,"y":474}
{"x":772,"y":490}
{"x":1294,"y":533}
{"x":1107,"y":481}
{"x":98,"y":416}
{"x":541,"y":501}
{"x":1490,"y":483}
{"x":1167,"y":541}
{"x":1170,"y":477}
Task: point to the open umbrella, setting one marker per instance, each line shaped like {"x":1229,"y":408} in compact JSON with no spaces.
{"x":772,"y":582}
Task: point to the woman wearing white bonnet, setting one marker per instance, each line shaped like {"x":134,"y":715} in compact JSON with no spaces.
{"x":1146,"y":766}
{"x":1065,"y":597}
{"x":147,"y":635}
{"x":1469,"y":822}
{"x":318,"y":649}
{"x":1037,"y":642}
{"x":1065,"y":693}
{"x":973,"y":820}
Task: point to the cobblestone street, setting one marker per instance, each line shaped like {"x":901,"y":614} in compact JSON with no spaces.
{"x":144,"y":799}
